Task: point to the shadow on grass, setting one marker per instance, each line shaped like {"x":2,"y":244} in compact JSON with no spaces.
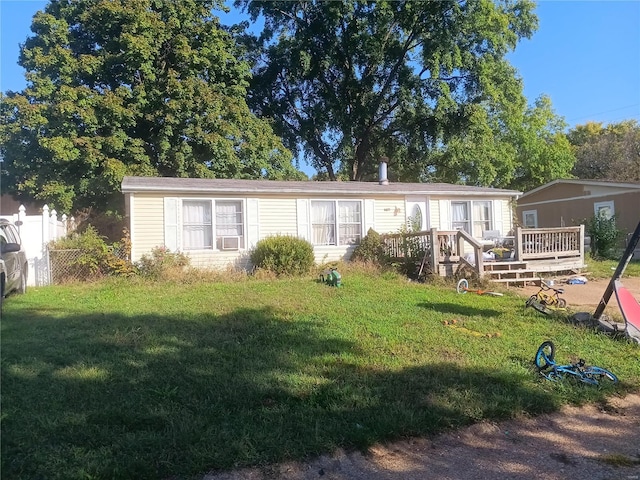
{"x":112,"y":396}
{"x":458,"y":309}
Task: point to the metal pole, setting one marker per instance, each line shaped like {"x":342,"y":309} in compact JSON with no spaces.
{"x":624,"y":261}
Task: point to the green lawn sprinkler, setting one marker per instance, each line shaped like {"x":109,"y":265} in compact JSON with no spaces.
{"x":332,"y":278}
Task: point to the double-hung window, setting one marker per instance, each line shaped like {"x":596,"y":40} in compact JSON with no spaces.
{"x":197,"y":225}
{"x":329,"y":228}
{"x":604,"y":209}
{"x":200,"y":226}
{"x":481,"y":218}
{"x":460,"y":219}
{"x":530,"y":218}
{"x":229,"y":225}
{"x":472,"y":217}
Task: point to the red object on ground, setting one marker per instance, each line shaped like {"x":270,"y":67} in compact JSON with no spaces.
{"x":630,"y":309}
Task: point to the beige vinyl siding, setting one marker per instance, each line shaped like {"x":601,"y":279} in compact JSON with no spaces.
{"x":216,"y":260}
{"x":507,"y":217}
{"x":278,"y":217}
{"x":148,"y":231}
{"x":389,"y":215}
{"x":330,"y":253}
{"x":434,"y":213}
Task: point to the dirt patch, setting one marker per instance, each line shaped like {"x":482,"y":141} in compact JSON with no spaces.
{"x":590,"y":442}
{"x":586,"y":297}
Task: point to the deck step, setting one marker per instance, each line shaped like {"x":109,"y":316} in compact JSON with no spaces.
{"x":515,"y":280}
{"x":500,"y":267}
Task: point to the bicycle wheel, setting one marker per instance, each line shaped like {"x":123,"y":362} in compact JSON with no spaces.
{"x":462,"y":286}
{"x":531,"y":300}
{"x":540,"y":307}
{"x":545,"y":355}
{"x":599,"y":376}
{"x":562,"y":303}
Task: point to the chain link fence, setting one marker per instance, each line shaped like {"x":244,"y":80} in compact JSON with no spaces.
{"x":74,"y":265}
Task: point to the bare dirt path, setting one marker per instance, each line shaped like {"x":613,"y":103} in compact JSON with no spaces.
{"x":587,"y":297}
{"x":593,"y":442}
{"x":588,"y":443}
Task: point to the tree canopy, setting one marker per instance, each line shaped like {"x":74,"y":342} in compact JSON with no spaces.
{"x":140,"y":87}
{"x":607,"y":153}
{"x":519,"y":149}
{"x":350,"y":82}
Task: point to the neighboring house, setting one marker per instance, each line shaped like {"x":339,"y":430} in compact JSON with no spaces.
{"x":563,"y":203}
{"x":217,"y":222}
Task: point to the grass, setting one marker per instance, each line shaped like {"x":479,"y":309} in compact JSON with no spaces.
{"x":132,"y":379}
{"x":606,"y":268}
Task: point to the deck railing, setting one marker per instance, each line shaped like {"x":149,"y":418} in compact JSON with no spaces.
{"x":407,"y":245}
{"x":455,"y":246}
{"x":418,"y":247}
{"x":549,"y":243}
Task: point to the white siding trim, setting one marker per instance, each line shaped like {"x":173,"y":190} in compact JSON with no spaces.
{"x":569,"y":199}
{"x":369,"y":215}
{"x":252,"y":219}
{"x":132,"y":235}
{"x":302,"y":208}
{"x":498,"y":216}
{"x":445,"y":215}
{"x":171,"y":222}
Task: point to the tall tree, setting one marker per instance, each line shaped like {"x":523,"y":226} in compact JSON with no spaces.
{"x":607,"y":153}
{"x":351,"y":81}
{"x":145,"y":87}
{"x":515,"y":149}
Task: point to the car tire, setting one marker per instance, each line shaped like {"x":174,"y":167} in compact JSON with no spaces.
{"x":22,"y":288}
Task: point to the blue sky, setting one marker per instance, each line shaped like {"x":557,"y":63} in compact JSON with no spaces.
{"x":585,"y":56}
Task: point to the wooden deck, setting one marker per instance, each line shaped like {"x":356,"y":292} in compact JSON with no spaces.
{"x":534,"y":253}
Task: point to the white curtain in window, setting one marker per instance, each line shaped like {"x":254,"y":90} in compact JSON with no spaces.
{"x":459,"y":216}
{"x":481,"y":218}
{"x":459,"y":212}
{"x":323,"y":221}
{"x":197,"y":230}
{"x":228,"y":219}
{"x":350,"y":222}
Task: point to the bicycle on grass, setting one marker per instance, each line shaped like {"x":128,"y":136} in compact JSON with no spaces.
{"x":546,"y":299}
{"x":550,"y":370}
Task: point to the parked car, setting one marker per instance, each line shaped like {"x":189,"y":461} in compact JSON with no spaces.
{"x":13,"y":276}
{"x":3,"y":274}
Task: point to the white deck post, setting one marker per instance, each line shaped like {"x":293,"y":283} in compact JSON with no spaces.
{"x":518,"y":245}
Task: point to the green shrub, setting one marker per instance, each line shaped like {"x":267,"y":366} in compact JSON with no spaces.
{"x":78,"y":256}
{"x":283,"y":255}
{"x":370,"y":249}
{"x":83,"y":255}
{"x":604,"y":236}
{"x":162,"y":262}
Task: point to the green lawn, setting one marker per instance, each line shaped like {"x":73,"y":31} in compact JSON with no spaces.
{"x":127,"y":379}
{"x":606,"y":268}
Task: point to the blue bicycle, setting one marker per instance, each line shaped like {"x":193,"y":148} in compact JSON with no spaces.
{"x":550,"y":370}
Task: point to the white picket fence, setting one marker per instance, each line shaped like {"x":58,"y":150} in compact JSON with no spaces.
{"x":36,"y":231}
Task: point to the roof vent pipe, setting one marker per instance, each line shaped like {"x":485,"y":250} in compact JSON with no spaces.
{"x":382,"y":172}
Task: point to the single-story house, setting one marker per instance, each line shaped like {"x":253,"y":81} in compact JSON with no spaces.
{"x":563,"y":203}
{"x":216,"y":222}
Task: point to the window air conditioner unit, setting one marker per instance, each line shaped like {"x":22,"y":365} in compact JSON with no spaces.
{"x":230,"y":243}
